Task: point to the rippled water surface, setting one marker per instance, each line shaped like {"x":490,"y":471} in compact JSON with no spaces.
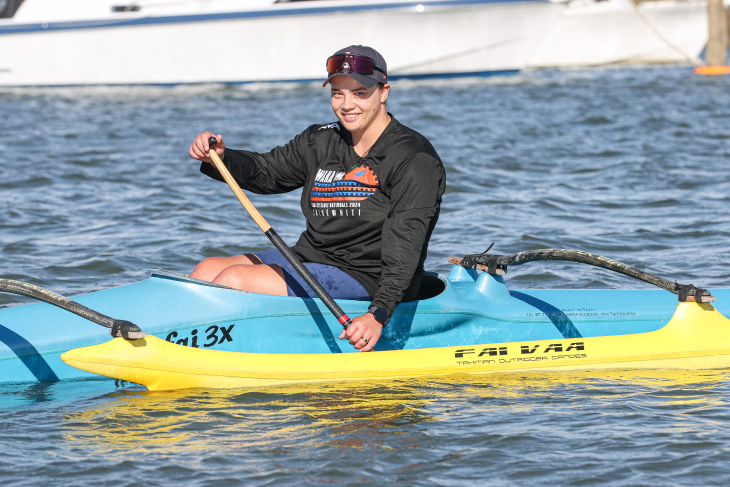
{"x":96,"y":186}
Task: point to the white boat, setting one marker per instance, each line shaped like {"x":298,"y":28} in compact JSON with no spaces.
{"x":594,"y":33}
{"x":102,"y":42}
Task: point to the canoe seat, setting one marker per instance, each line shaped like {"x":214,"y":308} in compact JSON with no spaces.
{"x":431,"y":286}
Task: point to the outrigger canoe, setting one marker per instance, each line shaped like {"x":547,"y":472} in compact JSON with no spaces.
{"x":203,"y":335}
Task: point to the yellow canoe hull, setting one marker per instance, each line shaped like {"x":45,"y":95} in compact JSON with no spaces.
{"x":697,"y":337}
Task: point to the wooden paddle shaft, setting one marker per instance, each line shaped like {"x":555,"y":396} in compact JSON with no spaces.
{"x":276,"y":240}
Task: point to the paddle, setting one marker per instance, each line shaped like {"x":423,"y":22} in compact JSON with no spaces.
{"x":276,"y":239}
{"x":122,"y":328}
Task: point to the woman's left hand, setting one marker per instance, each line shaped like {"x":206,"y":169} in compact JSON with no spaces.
{"x":365,"y":326}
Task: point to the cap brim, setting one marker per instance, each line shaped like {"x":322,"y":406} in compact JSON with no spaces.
{"x":366,"y":81}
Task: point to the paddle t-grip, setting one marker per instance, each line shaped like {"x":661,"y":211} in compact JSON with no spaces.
{"x":212,"y":141}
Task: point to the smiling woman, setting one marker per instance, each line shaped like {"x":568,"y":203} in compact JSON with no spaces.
{"x":369,"y":183}
{"x":361,"y":110}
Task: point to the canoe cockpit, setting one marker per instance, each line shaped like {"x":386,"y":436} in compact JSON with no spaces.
{"x":432,"y":284}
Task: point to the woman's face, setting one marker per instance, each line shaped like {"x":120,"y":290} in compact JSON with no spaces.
{"x":357,"y":107}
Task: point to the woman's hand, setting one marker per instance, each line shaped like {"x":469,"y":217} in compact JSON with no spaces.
{"x":199,"y":148}
{"x":365,"y":326}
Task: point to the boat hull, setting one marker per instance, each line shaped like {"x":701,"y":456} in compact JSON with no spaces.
{"x":279,"y":42}
{"x":614,"y":32}
{"x":697,"y":337}
{"x":470,"y":311}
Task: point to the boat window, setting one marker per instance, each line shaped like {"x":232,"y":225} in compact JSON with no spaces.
{"x":125,"y":8}
{"x":8,"y":8}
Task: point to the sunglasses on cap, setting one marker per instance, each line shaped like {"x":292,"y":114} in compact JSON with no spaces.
{"x":352,"y":63}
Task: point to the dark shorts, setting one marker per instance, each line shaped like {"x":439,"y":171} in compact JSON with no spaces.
{"x":337,"y":283}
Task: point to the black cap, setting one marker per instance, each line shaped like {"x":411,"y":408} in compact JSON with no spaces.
{"x":367,"y":80}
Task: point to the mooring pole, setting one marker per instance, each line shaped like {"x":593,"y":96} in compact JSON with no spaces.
{"x":717,"y":40}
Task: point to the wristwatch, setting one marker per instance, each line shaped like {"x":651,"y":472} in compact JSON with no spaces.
{"x":380,"y":314}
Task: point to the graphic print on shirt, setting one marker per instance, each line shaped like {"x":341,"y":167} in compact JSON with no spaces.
{"x":336,"y":193}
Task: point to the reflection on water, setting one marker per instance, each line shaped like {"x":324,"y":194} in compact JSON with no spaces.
{"x":32,"y":393}
{"x":347,"y":415}
{"x":572,"y":428}
{"x":18,"y":395}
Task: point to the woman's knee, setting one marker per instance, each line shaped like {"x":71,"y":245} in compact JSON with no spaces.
{"x":232,"y":276}
{"x":210,"y":267}
{"x":205,"y":269}
{"x":262,"y":279}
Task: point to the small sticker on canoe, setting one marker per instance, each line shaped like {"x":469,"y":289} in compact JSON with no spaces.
{"x":581,"y":312}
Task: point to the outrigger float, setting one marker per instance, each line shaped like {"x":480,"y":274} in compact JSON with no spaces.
{"x":200,"y":334}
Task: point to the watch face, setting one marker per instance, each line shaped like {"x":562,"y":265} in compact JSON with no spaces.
{"x":380,"y":315}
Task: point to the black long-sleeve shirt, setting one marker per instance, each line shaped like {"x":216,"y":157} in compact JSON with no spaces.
{"x":371,"y":216}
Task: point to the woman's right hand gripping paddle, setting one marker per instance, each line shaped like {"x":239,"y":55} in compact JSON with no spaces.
{"x":199,"y":148}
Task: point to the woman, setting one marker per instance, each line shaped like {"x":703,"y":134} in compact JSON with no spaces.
{"x":372,"y":193}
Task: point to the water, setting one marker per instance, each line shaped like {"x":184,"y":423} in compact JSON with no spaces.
{"x":631,"y":163}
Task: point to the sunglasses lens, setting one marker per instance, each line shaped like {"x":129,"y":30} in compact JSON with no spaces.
{"x":348,"y":63}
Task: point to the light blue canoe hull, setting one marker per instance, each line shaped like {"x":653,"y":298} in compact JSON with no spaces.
{"x":469,"y":311}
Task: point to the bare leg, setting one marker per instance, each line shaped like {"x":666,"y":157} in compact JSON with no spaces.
{"x":209,"y":268}
{"x":263,"y":279}
{"x":245,"y":272}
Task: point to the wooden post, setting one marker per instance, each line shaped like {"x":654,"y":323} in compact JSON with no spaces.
{"x":717,"y":40}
